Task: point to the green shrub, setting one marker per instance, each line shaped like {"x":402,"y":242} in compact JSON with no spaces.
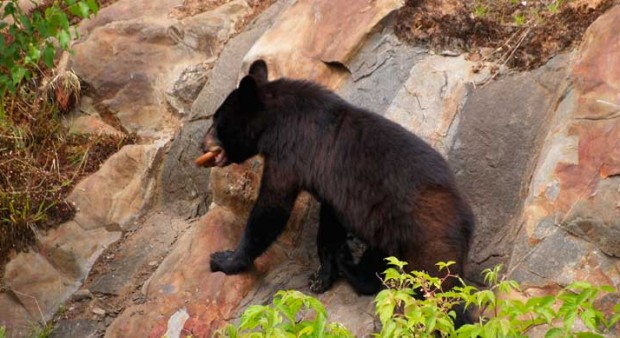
{"x":29,"y":39}
{"x":402,"y":315}
{"x":287,"y":316}
{"x":502,"y":316}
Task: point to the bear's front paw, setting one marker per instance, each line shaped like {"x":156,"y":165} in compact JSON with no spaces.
{"x":321,"y":281}
{"x":228,"y":262}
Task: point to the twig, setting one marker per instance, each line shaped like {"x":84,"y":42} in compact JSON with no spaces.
{"x":512,"y":52}
{"x":43,"y":321}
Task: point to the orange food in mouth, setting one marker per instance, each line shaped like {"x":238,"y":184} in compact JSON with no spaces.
{"x":203,"y":159}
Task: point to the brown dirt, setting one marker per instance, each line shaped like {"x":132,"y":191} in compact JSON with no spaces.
{"x":520,"y":34}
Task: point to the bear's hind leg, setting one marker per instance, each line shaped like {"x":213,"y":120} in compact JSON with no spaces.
{"x":331,"y":238}
{"x":364,"y":276}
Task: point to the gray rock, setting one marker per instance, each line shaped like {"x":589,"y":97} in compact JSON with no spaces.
{"x":98,"y":311}
{"x":379,"y":70}
{"x":500,"y":128}
{"x":81,"y":295}
{"x":186,"y":88}
{"x":76,"y":328}
{"x":592,"y":222}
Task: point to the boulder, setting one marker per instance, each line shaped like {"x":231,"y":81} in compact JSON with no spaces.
{"x":301,"y":43}
{"x":494,"y":151}
{"x":570,"y":225}
{"x":119,"y":192}
{"x":140,"y":62}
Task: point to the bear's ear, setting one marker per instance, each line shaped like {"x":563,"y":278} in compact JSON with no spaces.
{"x":248,"y":92}
{"x":258,"y":69}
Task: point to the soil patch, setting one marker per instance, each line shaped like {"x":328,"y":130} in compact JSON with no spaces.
{"x":519,"y":34}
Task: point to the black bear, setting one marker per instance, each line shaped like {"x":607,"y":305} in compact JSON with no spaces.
{"x":373,"y":178}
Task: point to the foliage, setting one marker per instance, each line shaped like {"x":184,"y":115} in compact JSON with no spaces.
{"x":401,"y":314}
{"x":291,"y":314}
{"x":29,"y":39}
{"x":44,"y":331}
{"x":40,"y":160}
{"x":519,"y":12}
{"x":2,"y":332}
{"x":432,"y":315}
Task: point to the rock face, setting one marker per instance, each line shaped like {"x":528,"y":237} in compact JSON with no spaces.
{"x":536,"y":153}
{"x":571,"y":218}
{"x":138,"y":60}
{"x":494,"y":152}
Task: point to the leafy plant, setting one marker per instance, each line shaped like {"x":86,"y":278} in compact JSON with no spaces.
{"x":29,"y":39}
{"x":432,"y":315}
{"x":519,"y":19}
{"x":554,"y":6}
{"x":291,"y":314}
{"x":41,"y":331}
{"x":402,"y":314}
{"x":480,"y":10}
{"x":40,"y":160}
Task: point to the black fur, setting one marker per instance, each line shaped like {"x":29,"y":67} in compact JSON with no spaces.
{"x":373,"y":178}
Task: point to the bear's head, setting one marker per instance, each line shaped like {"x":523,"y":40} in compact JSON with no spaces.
{"x":239,"y":122}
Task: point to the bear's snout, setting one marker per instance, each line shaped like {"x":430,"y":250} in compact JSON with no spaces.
{"x":210,"y":141}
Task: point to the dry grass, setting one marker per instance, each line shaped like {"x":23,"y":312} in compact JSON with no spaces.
{"x":521,"y":34}
{"x":40,"y":161}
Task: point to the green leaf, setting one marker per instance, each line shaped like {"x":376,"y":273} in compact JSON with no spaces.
{"x":63,"y":39}
{"x":319,"y":325}
{"x":251,"y":317}
{"x":579,"y":285}
{"x":48,"y":55}
{"x":18,"y":74}
{"x":443,"y":265}
{"x":608,"y":288}
{"x":92,"y":4}
{"x":554,"y":333}
{"x":34,"y":54}
{"x":80,"y":9}
{"x":588,"y":335}
{"x":9,"y":9}
{"x":589,"y":318}
{"x":395,"y":261}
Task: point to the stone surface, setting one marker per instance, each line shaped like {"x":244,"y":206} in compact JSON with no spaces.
{"x":493,"y":155}
{"x":86,"y":120}
{"x":432,"y":98}
{"x":15,"y":317}
{"x":92,"y":124}
{"x":73,"y":250}
{"x":300,"y":44}
{"x":39,"y":287}
{"x":150,"y":243}
{"x":136,"y":58}
{"x":379,"y":70}
{"x":570,"y":222}
{"x":78,"y":328}
{"x":184,"y":280}
{"x":114,"y":196}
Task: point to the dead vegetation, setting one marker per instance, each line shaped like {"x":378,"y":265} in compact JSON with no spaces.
{"x":40,"y":161}
{"x":519,"y":34}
